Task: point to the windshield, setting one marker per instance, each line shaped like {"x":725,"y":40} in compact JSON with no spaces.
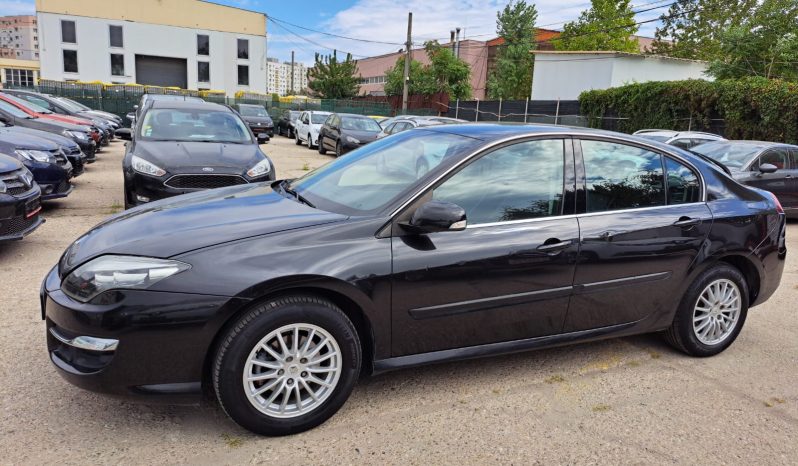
{"x":370,"y":178}
{"x":732,"y":155}
{"x":14,"y":111}
{"x":77,"y":104}
{"x":72,"y":105}
{"x":360,"y":124}
{"x":293,"y":115}
{"x":253,"y":111}
{"x":655,"y":137}
{"x":318,"y":118}
{"x":27,"y":104}
{"x":167,"y":124}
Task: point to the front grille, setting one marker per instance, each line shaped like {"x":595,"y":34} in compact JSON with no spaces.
{"x":203,"y":181}
{"x":15,"y":184}
{"x":16,"y":225}
{"x":62,"y":187}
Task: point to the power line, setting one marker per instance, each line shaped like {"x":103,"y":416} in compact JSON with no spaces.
{"x":370,"y":41}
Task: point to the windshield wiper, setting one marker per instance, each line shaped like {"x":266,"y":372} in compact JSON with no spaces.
{"x":284,"y":186}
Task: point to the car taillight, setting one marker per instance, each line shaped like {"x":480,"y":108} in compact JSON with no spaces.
{"x":779,"y":208}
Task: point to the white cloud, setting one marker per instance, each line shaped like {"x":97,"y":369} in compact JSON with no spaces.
{"x":17,"y":7}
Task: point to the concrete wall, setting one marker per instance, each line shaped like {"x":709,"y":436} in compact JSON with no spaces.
{"x":564,"y":76}
{"x":93,"y":47}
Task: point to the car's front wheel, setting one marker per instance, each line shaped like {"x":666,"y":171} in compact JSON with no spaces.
{"x":287,"y":365}
{"x":712,"y":312}
{"x":322,"y":149}
{"x":297,"y":141}
{"x":310,"y":141}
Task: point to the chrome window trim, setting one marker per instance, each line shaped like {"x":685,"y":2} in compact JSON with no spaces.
{"x":554,"y":135}
{"x":522,"y":221}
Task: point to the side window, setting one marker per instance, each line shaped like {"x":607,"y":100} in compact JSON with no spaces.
{"x":38,"y":101}
{"x":622,"y":177}
{"x":389,"y":129}
{"x":682,"y":143}
{"x":777,"y":157}
{"x":399,"y":127}
{"x":683,"y":184}
{"x":794,"y":159}
{"x":517,"y":182}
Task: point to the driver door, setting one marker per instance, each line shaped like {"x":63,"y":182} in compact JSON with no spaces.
{"x":508,"y":275}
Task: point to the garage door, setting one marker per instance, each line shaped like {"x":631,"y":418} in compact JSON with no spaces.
{"x":161,"y":71}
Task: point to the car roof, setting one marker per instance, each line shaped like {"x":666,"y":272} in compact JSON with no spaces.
{"x":251,"y":105}
{"x":353,"y":115}
{"x":188,"y":105}
{"x":418,"y":122}
{"x":762,"y":144}
{"x":184,"y":98}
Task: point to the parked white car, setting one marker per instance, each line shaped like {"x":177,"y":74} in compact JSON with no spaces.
{"x":307,"y":126}
{"x":682,"y":139}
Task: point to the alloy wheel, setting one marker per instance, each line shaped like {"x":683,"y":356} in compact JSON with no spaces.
{"x":717,"y":311}
{"x":292,"y":370}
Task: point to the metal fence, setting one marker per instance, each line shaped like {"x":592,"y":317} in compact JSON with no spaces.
{"x":555,"y":112}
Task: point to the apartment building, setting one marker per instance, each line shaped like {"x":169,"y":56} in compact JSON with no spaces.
{"x":279,"y":77}
{"x":190,"y":44}
{"x":19,"y":37}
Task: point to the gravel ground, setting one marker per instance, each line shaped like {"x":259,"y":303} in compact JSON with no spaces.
{"x":630,"y":400}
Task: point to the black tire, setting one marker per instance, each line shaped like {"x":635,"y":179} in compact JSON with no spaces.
{"x":310,"y":141}
{"x":321,"y":148}
{"x":681,"y":334}
{"x":339,"y":149}
{"x":291,"y":132}
{"x":236,"y":345}
{"x":297,"y":141}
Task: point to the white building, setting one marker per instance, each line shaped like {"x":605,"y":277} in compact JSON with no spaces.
{"x":279,"y":77}
{"x":19,"y":37}
{"x":190,"y":44}
{"x":565,"y":75}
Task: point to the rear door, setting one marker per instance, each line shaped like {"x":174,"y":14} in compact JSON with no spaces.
{"x":508,"y":275}
{"x":642,"y":222}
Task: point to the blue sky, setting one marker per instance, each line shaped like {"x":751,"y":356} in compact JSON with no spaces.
{"x":383,"y":21}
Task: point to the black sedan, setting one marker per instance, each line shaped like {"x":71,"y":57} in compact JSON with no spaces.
{"x":277,"y":296}
{"x":343,"y":132}
{"x":256,"y":117}
{"x":767,"y":165}
{"x":180,"y":147}
{"x":20,"y":200}
{"x":50,"y":167}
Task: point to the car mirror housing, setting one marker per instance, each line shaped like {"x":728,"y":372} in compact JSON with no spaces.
{"x":263,"y":138}
{"x":767,"y":168}
{"x":437,"y":216}
{"x":124,"y":134}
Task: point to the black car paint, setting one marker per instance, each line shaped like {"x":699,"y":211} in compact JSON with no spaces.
{"x":19,"y":212}
{"x":72,"y":150}
{"x":285,"y":124}
{"x":332,"y":135}
{"x":402,"y":290}
{"x":87,"y":145}
{"x":256,"y":124}
{"x":185,"y":158}
{"x":52,"y":178}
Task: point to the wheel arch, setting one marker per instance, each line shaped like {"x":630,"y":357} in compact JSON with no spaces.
{"x":746,"y":266}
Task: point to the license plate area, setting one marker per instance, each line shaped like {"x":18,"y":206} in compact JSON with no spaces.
{"x":33,"y":207}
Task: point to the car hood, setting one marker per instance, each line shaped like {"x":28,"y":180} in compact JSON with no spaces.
{"x":55,"y":124}
{"x":19,"y":140}
{"x":177,"y":156}
{"x":60,"y":140}
{"x":362,"y":136}
{"x":66,"y":119}
{"x":9,"y":164}
{"x":184,"y":223}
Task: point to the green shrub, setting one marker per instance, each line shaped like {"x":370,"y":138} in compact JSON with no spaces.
{"x":749,"y":108}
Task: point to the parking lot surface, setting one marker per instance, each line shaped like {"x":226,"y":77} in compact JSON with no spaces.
{"x":630,"y":400}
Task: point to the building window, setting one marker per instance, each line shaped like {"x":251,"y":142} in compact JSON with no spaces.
{"x":116,"y":39}
{"x":117,"y":64}
{"x":204,"y":72}
{"x":68,"y":34}
{"x":70,"y":61}
{"x":19,"y":78}
{"x":243,"y":75}
{"x":243,"y":49}
{"x":203,"y":45}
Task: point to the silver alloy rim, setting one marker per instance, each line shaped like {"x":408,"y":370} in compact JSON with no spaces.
{"x":717,"y":312}
{"x":292,"y":370}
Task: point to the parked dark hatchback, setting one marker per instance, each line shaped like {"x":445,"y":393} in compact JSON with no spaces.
{"x":518,"y":237}
{"x":20,"y":200}
{"x":50,"y":167}
{"x":285,"y":124}
{"x":767,"y":165}
{"x":180,"y":147}
{"x":343,"y":132}
{"x":12,"y":116}
{"x":72,"y":151}
{"x":256,"y":117}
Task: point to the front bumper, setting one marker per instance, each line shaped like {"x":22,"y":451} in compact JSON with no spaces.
{"x":90,"y":149}
{"x":262,"y":129}
{"x":56,"y":190}
{"x":140,"y":186}
{"x":19,"y":215}
{"x":157,"y":342}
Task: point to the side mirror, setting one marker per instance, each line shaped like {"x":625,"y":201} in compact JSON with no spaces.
{"x":435,"y":216}
{"x":135,"y":107}
{"x":124,"y":133}
{"x":767,"y":168}
{"x":263,"y":138}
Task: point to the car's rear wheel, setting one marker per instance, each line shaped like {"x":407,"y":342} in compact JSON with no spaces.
{"x":310,"y":141}
{"x":712,"y":313}
{"x":297,"y":141}
{"x":287,"y":365}
{"x":339,"y":149}
{"x":322,"y":149}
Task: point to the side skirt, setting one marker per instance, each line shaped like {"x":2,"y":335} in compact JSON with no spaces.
{"x":495,"y":349}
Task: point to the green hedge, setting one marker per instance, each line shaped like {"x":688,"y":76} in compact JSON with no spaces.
{"x":750,"y":108}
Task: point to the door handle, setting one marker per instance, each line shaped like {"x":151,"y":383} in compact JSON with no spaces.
{"x":787,"y":176}
{"x":554,"y":246}
{"x":687,"y":222}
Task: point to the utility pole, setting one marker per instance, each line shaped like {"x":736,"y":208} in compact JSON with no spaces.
{"x":408,"y":45}
{"x":457,"y":45}
{"x":292,"y":72}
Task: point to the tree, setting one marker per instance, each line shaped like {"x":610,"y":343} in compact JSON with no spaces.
{"x":511,"y":78}
{"x":607,"y":25}
{"x":764,"y":45}
{"x":445,"y":73}
{"x":692,"y":28}
{"x":333,"y":79}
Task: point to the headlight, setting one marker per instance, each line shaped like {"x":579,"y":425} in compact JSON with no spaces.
{"x":36,"y":155}
{"x":118,"y":272}
{"x":353,"y":140}
{"x":261,"y":168}
{"x":142,"y":166}
{"x":76,"y":135}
